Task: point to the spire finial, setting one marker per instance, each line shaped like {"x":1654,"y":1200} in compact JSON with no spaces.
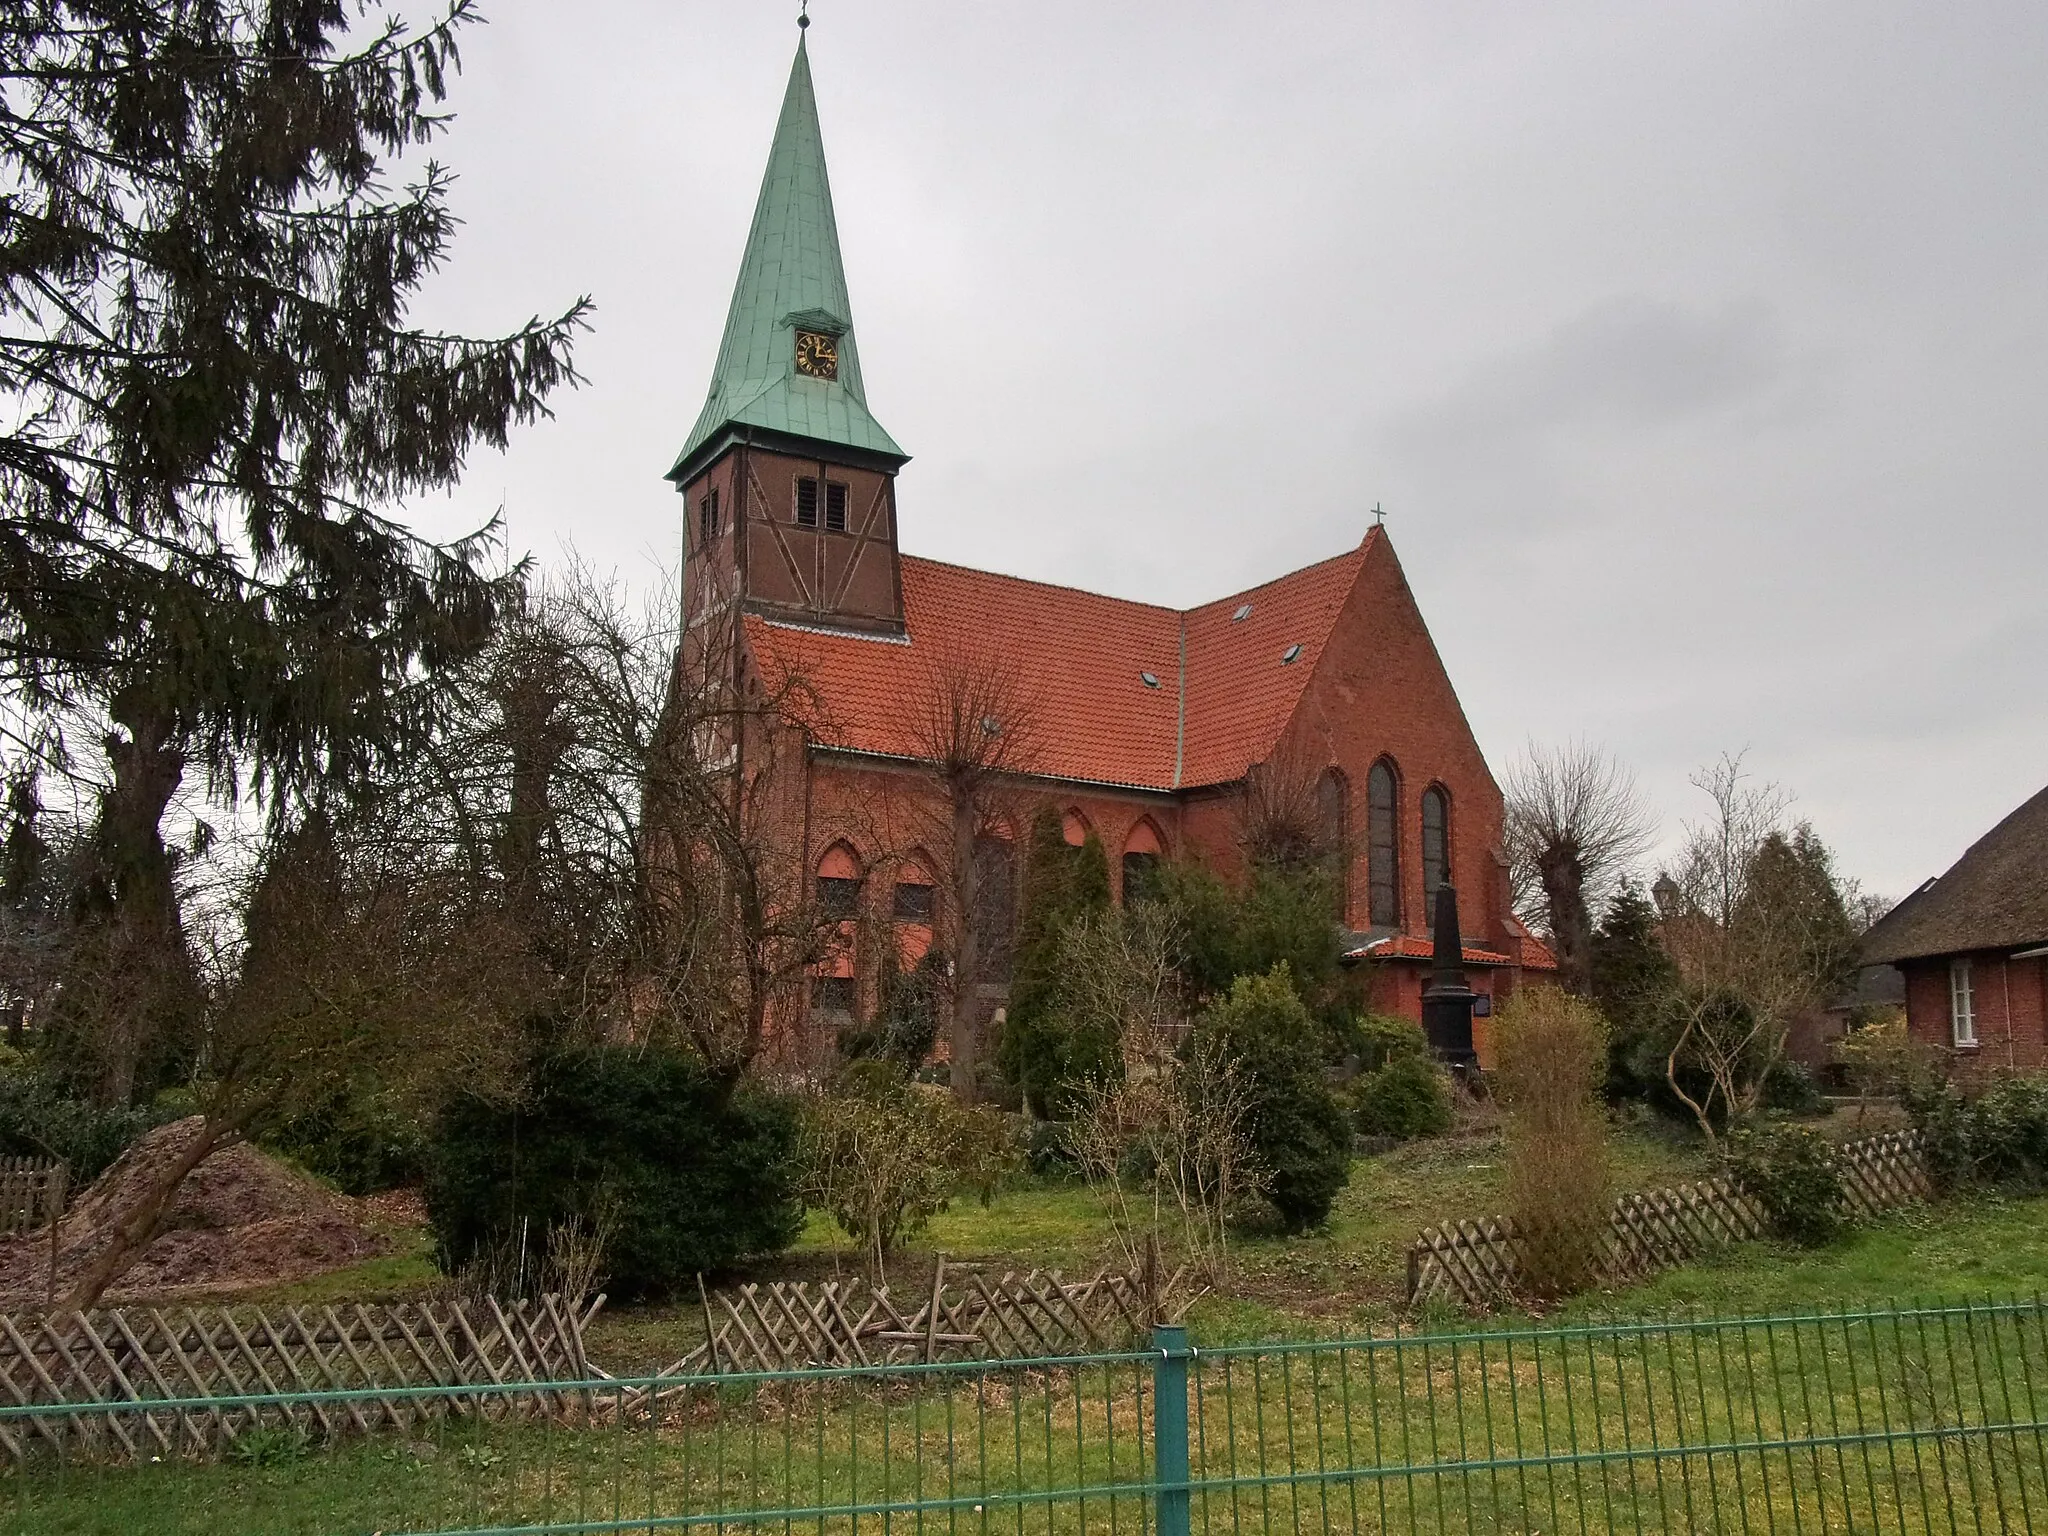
{"x":803,"y":14}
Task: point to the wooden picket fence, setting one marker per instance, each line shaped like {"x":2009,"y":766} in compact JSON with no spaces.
{"x":965,"y":1315}
{"x":32,"y":1192}
{"x":1480,"y":1263}
{"x":154,"y":1358}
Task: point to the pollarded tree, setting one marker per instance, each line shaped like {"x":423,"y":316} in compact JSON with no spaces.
{"x":214,"y":394}
{"x":1575,"y":821}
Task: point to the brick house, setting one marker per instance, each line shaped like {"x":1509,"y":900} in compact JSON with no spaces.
{"x":1973,"y":947}
{"x":1149,"y":723}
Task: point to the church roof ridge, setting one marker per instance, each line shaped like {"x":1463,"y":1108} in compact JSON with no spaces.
{"x":790,"y":275}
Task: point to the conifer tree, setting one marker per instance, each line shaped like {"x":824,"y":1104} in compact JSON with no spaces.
{"x":1062,"y":884}
{"x":214,"y":397}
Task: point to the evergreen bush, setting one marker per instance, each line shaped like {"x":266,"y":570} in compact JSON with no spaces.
{"x":1378,"y":1039}
{"x":1300,"y":1135}
{"x":1792,"y":1171}
{"x":687,"y":1173}
{"x":1999,"y":1137}
{"x":39,"y":1119}
{"x":358,"y":1139}
{"x":1044,"y":1048}
{"x":1791,"y":1089}
{"x":1407,"y":1098}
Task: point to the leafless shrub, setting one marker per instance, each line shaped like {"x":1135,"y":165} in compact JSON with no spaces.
{"x":1759,"y":932}
{"x":1552,"y":1058}
{"x":885,"y":1162}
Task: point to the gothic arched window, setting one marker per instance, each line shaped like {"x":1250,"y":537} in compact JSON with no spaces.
{"x":1436,"y":840}
{"x":1142,"y":850}
{"x":1383,"y":828}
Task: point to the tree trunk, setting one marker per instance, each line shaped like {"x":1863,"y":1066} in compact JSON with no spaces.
{"x":135,"y":1227}
{"x":961,"y":1038}
{"x":146,"y":986}
{"x":1571,"y":925}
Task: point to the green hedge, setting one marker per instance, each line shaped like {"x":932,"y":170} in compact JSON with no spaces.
{"x":689,"y":1175}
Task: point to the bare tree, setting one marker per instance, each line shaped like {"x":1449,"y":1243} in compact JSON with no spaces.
{"x":1756,"y":924}
{"x":351,"y":962}
{"x":975,"y":723}
{"x":1575,"y":822}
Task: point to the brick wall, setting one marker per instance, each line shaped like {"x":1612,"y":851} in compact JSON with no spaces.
{"x":2011,"y":1010}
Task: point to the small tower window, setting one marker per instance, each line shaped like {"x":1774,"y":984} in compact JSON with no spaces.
{"x":808,"y":495}
{"x":707,"y":517}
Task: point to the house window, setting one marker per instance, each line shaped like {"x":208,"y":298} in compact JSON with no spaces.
{"x":1436,"y":840}
{"x":1962,"y":1004}
{"x":1383,"y":852}
{"x":707,"y":517}
{"x":913,"y":903}
{"x":835,"y":507}
{"x":833,"y":994}
{"x":806,"y":502}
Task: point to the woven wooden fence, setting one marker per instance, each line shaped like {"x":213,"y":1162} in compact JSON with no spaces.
{"x":155,"y":1358}
{"x":1480,"y":1263}
{"x":32,"y":1192}
{"x":965,"y":1315}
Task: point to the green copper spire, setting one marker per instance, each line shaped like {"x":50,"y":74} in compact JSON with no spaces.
{"x":790,"y":279}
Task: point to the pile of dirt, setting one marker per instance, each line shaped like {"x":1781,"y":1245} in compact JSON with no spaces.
{"x":242,"y":1219}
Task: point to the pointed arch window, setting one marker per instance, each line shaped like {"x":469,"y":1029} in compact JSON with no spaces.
{"x":1383,"y":835}
{"x":1142,"y":852}
{"x":839,"y":881}
{"x":995,"y":906}
{"x":1436,"y":840}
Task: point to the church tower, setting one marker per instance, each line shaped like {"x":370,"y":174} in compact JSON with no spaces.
{"x":788,"y":481}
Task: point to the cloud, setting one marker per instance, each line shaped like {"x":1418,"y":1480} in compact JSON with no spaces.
{"x":1628,"y":364}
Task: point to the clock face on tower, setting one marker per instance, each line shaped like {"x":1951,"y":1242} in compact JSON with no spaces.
{"x":817,"y":354}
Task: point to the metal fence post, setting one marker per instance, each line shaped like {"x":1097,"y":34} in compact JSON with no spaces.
{"x":1170,"y":1428}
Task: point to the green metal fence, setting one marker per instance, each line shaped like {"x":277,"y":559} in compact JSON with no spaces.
{"x":1910,"y":1418}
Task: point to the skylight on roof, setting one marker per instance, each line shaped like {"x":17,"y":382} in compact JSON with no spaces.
{"x":1149,"y":679}
{"x":1289,"y":654}
{"x":1244,"y":612}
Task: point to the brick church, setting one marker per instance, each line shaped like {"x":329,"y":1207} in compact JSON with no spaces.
{"x":1151,"y":728}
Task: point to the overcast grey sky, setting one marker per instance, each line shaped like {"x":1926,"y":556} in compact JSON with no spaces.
{"x":1697,"y":352}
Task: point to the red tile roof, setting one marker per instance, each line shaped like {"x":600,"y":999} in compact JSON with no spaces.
{"x":1079,"y":660}
{"x":1535,"y":956}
